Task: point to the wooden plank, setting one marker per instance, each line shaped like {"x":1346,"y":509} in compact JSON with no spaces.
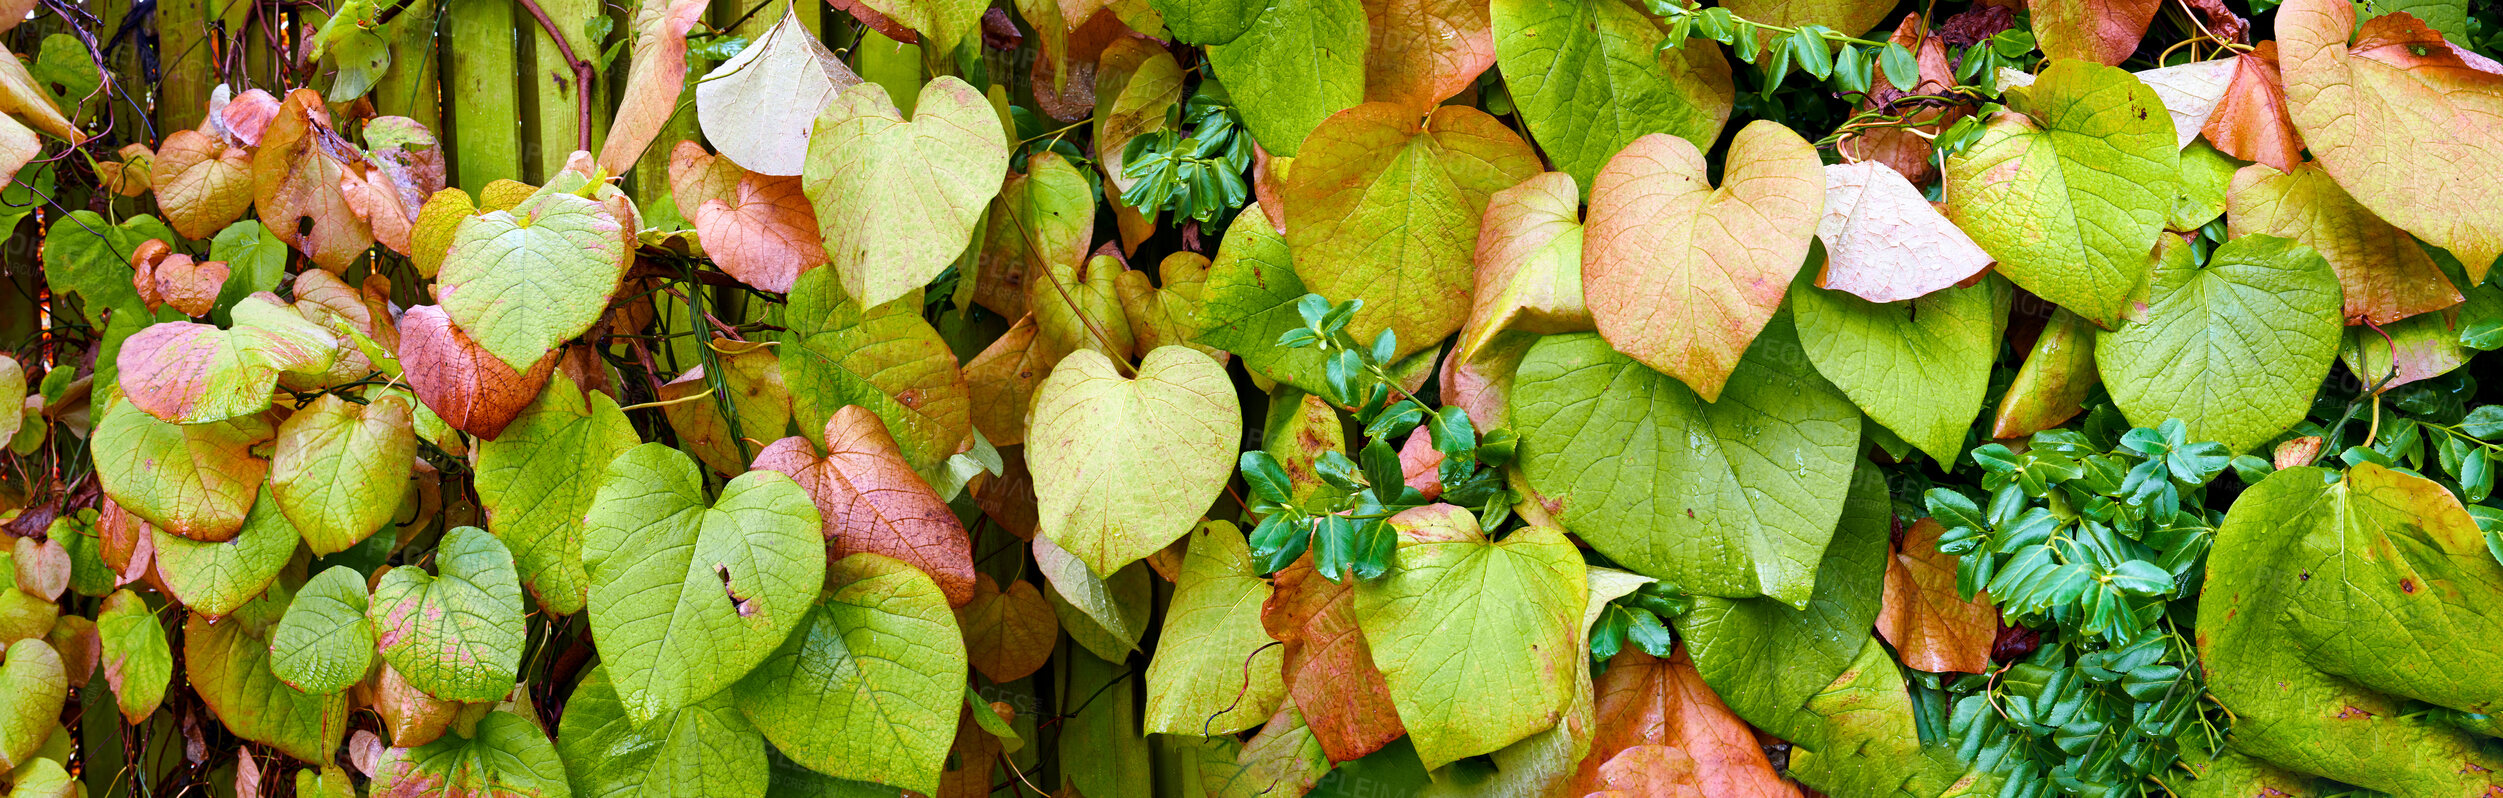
{"x":554,"y":110}
{"x":483,"y":74}
{"x":413,"y":87}
{"x":190,"y":71}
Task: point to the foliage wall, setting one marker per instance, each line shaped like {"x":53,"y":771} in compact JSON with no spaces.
{"x":1250,"y":398}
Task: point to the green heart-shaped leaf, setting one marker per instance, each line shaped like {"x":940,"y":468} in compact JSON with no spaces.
{"x":1383,"y":209}
{"x":1195,"y":685}
{"x":331,"y":456}
{"x":1249,"y":300}
{"x":1735,"y":498}
{"x":706,"y":750}
{"x":524,"y":280}
{"x":537,"y":479}
{"x":2235,"y":347}
{"x":324,"y":644}
{"x":886,"y":358}
{"x":687,"y":594}
{"x":457,"y":634}
{"x":870,"y":686}
{"x":1123,"y":467}
{"x":214,"y":579}
{"x":1296,"y":64}
{"x":1920,"y":367}
{"x":2069,"y":190}
{"x":229,"y":664}
{"x":1476,"y":638}
{"x":137,"y":662}
{"x":897,"y":200}
{"x":33,"y":687}
{"x":1589,"y":78}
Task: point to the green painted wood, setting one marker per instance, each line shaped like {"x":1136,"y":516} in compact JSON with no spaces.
{"x":184,"y":54}
{"x":413,"y":87}
{"x":555,"y":130}
{"x":483,"y":75}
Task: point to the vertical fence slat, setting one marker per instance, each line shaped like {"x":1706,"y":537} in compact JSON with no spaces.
{"x":189,"y":71}
{"x":553,"y":85}
{"x":414,"y":84}
{"x":483,"y":74}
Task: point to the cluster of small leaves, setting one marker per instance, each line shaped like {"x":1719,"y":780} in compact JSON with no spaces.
{"x":1347,"y":528}
{"x":1196,"y":176}
{"x":1640,"y":618}
{"x":2087,"y":541}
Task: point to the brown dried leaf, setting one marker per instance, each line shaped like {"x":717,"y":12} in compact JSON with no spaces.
{"x":1328,"y":665}
{"x":403,"y":169}
{"x":1931,"y":627}
{"x":1008,"y":633}
{"x":298,"y":179}
{"x":1008,"y":499}
{"x":1642,"y":701}
{"x":469,"y":388}
{"x":872,"y":501}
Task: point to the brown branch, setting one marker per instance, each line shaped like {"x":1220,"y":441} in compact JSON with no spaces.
{"x":582,"y":74}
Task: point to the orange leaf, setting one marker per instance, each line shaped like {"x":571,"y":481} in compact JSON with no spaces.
{"x":2102,"y":31}
{"x":1681,"y":275}
{"x":1008,"y":633}
{"x":2387,"y":277}
{"x":297,"y":177}
{"x":759,"y":228}
{"x":1328,"y":666}
{"x":201,"y":183}
{"x":873,"y":502}
{"x":1931,"y":627}
{"x":2251,"y":121}
{"x":655,"y":78}
{"x":1425,"y":51}
{"x":1648,"y":770}
{"x":164,"y":277}
{"x":470,"y":388}
{"x":1645,"y":701}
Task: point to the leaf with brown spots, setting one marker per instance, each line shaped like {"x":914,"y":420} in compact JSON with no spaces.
{"x":297,"y":176}
{"x":1932,"y":627}
{"x":871,"y":501}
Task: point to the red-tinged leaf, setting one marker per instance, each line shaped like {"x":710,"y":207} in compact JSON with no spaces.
{"x":1425,"y":51}
{"x":242,"y":120}
{"x":1655,"y":771}
{"x":2407,"y":123}
{"x":1643,"y":701}
{"x":1420,"y":464}
{"x":164,"y":277}
{"x":872,"y":502}
{"x":191,"y":373}
{"x":1681,"y":275}
{"x":1003,"y":379}
{"x":326,"y":301}
{"x":202,"y":184}
{"x":297,"y":179}
{"x":43,"y":568}
{"x":128,"y":545}
{"x":2102,"y":31}
{"x":1911,"y":155}
{"x":1407,"y":252}
{"x":194,"y":480}
{"x":1932,"y":627}
{"x":758,"y":228}
{"x":1529,"y":263}
{"x":1008,"y":633}
{"x":2251,"y":121}
{"x":1482,"y":385}
{"x":410,"y":716}
{"x":18,"y":146}
{"x":1328,"y":666}
{"x":403,"y":167}
{"x":654,"y":79}
{"x":466,"y":386}
{"x":129,"y":176}
{"x":1884,"y":242}
{"x":2387,"y":277}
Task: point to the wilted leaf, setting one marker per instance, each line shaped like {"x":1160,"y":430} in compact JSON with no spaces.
{"x":2385,"y":275}
{"x":86,"y":256}
{"x":1387,"y":210}
{"x":1327,"y":664}
{"x":1884,"y":242}
{"x":885,"y":358}
{"x":162,"y":278}
{"x":296,"y":183}
{"x":760,"y":107}
{"x":897,"y":200}
{"x":1921,"y":368}
{"x":871,"y":501}
{"x":1589,"y":80}
{"x":1735,"y":498}
{"x":456,"y":634}
{"x":2234,"y":347}
{"x":202,"y":184}
{"x":522,"y":281}
{"x":869,"y":685}
{"x":228,"y":662}
{"x":1009,"y":632}
{"x":137,"y":662}
{"x":1528,"y":264}
{"x":1122,"y":467}
{"x":402,"y":169}
{"x":508,"y":758}
{"x":1215,"y":671}
{"x":2070,"y":188}
{"x":706,"y":750}
{"x":2402,"y":120}
{"x":758,"y":228}
{"x":1931,"y":626}
{"x":687,"y":594}
{"x":1681,"y":275}
{"x":1295,"y":66}
{"x":192,"y":373}
{"x":323,"y":644}
{"x":195,"y":480}
{"x":2328,"y":601}
{"x":331,"y":455}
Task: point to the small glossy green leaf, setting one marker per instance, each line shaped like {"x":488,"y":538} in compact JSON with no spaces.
{"x":324,"y":644}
